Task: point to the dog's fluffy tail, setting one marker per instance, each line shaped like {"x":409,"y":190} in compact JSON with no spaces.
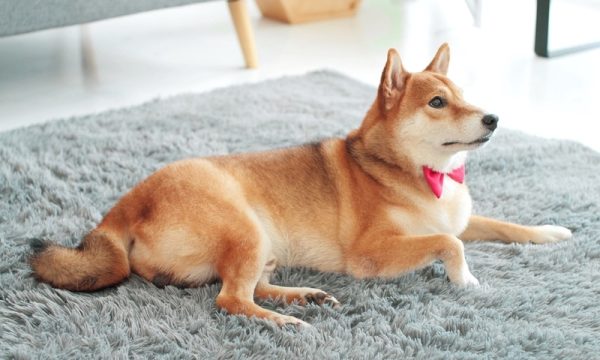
{"x":101,"y":260}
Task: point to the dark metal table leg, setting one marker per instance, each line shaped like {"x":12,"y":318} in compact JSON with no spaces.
{"x":542,"y":27}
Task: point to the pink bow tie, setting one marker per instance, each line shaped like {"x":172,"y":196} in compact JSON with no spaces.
{"x":435,"y":179}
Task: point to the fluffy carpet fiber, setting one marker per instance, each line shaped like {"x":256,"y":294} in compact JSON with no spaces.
{"x":57,"y":179}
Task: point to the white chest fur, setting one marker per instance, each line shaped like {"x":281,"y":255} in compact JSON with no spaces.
{"x":449,"y":214}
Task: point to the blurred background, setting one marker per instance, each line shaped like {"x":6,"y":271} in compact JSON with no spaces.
{"x":128,"y":60}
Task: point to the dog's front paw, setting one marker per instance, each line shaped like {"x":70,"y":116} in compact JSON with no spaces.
{"x":468,"y":280}
{"x":550,"y":234}
{"x":463,"y":277}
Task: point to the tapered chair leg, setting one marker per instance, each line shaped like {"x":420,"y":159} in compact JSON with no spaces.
{"x":239,"y":14}
{"x":88,"y":59}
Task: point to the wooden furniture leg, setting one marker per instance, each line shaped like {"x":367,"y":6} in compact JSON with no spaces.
{"x":241,"y":21}
{"x":88,"y":58}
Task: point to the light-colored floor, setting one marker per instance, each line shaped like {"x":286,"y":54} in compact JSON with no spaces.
{"x":194,"y":48}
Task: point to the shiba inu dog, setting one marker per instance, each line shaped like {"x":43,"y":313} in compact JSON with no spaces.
{"x":387,"y":199}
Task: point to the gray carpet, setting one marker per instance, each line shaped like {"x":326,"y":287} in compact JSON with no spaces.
{"x":57,"y":179}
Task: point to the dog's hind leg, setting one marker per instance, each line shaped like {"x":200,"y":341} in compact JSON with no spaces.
{"x":303,"y":295}
{"x":481,"y":228}
{"x":240,"y":266}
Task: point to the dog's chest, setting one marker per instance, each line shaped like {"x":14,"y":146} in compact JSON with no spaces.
{"x":449,"y":214}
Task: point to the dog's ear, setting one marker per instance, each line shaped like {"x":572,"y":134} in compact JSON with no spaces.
{"x":440,"y":61}
{"x":392,"y":80}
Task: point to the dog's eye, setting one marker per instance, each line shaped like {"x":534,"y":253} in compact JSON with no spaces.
{"x":437,"y":102}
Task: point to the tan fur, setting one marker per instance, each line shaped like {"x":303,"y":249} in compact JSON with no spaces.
{"x":358,"y":205}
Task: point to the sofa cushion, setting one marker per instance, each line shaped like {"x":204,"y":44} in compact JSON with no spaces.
{"x":22,"y":16}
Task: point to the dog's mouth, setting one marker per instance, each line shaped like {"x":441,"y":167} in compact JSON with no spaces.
{"x":481,"y":140}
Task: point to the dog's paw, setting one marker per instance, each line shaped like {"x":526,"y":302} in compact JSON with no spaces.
{"x":284,"y":320}
{"x":468,"y":280}
{"x":322,"y":298}
{"x":463,"y":277}
{"x":550,"y":233}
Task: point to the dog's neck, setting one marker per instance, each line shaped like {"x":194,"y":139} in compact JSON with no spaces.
{"x":390,"y":169}
{"x":377,"y":168}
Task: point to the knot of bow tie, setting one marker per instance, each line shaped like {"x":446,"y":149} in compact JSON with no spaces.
{"x":435,"y":179}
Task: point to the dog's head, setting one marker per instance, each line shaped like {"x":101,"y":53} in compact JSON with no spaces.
{"x":422,"y":117}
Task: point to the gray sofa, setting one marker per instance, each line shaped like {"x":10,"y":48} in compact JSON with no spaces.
{"x":23,"y":16}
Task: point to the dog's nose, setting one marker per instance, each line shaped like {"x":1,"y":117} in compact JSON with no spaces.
{"x":490,"y":121}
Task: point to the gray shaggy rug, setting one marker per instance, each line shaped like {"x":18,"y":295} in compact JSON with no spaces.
{"x":57,"y":179}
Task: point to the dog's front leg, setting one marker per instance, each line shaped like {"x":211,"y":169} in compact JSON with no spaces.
{"x":389,"y":255}
{"x":481,"y":228}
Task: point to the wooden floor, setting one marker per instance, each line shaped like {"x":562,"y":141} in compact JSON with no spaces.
{"x":195,"y":48}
